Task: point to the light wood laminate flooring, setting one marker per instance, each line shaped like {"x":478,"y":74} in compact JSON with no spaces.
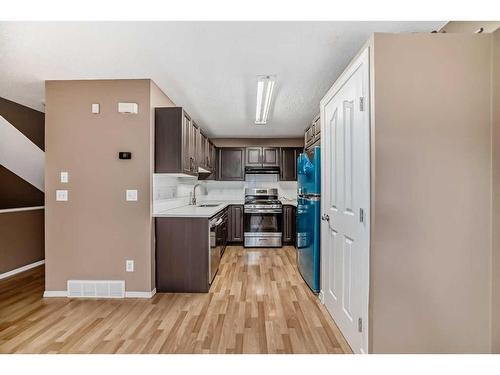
{"x":258,"y":303}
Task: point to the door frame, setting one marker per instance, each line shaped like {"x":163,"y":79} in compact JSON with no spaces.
{"x":363,"y":57}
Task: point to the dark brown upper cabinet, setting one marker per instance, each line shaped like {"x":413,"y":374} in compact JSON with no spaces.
{"x":203,"y":151}
{"x":253,"y":157}
{"x":312,"y":135}
{"x":270,"y":156}
{"x":180,"y":144}
{"x":212,"y":160}
{"x":212,"y":164}
{"x":288,"y":163}
{"x":231,"y":164}
{"x":197,"y":144}
{"x":199,"y":149}
{"x":175,"y":141}
{"x":262,"y":157}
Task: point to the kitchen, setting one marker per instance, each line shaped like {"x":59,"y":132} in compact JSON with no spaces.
{"x":261,"y":215}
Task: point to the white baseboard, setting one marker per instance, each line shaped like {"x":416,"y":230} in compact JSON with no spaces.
{"x":20,"y":209}
{"x":321,"y":296}
{"x":140,"y":294}
{"x":64,"y":293}
{"x":55,"y":293}
{"x":21,"y":269}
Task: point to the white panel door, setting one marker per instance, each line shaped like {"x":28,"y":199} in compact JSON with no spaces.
{"x":346,"y":202}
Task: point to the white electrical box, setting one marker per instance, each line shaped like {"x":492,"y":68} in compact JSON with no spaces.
{"x":128,"y":108}
{"x":61,"y":195}
{"x":95,"y":108}
{"x":129,"y":266}
{"x":131,"y":195}
{"x":64,"y":177}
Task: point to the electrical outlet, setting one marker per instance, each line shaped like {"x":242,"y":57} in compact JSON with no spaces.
{"x":64,"y":177}
{"x":131,"y":195}
{"x":129,"y":265}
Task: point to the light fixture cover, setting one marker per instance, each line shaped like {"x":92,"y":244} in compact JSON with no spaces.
{"x":265,"y":87}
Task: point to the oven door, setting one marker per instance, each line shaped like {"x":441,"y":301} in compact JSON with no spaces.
{"x":262,"y":227}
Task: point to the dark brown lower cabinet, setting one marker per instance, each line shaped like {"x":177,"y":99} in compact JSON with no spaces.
{"x":181,"y":255}
{"x":289,"y":226}
{"x":235,"y":224}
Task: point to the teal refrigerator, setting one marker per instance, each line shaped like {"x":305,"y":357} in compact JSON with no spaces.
{"x":308,"y":217}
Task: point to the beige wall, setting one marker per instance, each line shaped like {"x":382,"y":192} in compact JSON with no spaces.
{"x":91,"y":235}
{"x":431,"y":193}
{"x":273,"y":142}
{"x":495,"y":313}
{"x":21,"y":239}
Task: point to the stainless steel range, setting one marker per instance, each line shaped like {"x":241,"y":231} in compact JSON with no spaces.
{"x":262,"y":218}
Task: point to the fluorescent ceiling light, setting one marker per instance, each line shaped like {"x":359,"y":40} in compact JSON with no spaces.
{"x":265,"y":87}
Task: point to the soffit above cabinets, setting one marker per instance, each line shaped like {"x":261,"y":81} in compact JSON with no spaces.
{"x":207,"y":67}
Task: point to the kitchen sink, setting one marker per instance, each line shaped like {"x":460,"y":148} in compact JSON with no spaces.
{"x":209,"y":205}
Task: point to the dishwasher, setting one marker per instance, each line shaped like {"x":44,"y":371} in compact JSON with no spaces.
{"x":217,"y":239}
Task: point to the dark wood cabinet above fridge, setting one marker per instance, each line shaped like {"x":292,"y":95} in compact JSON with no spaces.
{"x":312,"y":135}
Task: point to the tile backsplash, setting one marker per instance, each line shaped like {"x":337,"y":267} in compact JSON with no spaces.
{"x":236,"y":189}
{"x":164,"y":186}
{"x":174,"y":191}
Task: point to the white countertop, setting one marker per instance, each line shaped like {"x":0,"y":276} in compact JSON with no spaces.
{"x":196,"y":211}
{"x":207,"y":212}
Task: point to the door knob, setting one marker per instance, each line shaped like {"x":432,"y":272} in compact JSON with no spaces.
{"x":325,"y":217}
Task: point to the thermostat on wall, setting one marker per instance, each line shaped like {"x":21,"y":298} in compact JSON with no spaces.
{"x":124,"y":155}
{"x":128,"y":108}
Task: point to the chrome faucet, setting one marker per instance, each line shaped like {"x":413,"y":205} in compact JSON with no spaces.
{"x":193,"y":196}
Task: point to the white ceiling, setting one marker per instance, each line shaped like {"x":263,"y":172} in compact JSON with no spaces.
{"x":208,"y":67}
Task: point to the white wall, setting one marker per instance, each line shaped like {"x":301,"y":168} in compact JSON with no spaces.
{"x":20,"y":155}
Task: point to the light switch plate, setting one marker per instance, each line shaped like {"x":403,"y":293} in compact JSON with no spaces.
{"x":131,"y":195}
{"x":64,"y":177}
{"x":61,"y":195}
{"x":129,"y":266}
{"x":95,"y":108}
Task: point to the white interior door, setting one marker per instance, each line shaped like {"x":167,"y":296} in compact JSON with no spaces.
{"x":346,"y":202}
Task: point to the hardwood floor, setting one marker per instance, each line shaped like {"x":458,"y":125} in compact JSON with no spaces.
{"x":258,"y":303}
